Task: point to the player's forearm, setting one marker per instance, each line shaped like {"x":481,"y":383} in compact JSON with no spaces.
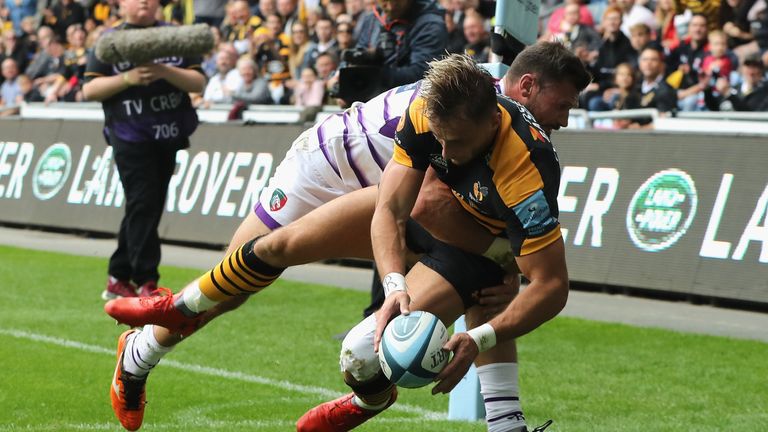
{"x":388,"y":241}
{"x":541,"y":301}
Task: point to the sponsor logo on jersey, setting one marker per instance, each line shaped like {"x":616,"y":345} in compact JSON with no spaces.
{"x":479,"y":192}
{"x":661,"y":210}
{"x":534,"y":214}
{"x":278,"y":200}
{"x":51,"y":171}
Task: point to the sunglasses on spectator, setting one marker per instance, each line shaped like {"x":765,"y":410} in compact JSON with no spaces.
{"x":344,"y":30}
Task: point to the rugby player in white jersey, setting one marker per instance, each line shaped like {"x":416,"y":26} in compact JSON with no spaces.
{"x":329,"y":160}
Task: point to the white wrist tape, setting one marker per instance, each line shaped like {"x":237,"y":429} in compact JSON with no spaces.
{"x":484,"y":336}
{"x":393,"y":282}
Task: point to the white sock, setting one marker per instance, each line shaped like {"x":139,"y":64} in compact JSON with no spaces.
{"x":195,"y":300}
{"x":498,"y":385}
{"x":143,"y":352}
{"x":357,"y":401}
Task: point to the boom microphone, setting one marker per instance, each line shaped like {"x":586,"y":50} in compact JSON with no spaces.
{"x":139,"y":46}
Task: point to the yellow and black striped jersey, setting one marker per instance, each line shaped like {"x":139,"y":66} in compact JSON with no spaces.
{"x":511,"y":187}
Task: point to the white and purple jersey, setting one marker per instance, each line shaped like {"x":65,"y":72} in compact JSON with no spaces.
{"x":344,"y":152}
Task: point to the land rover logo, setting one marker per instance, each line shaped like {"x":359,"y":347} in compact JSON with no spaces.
{"x":51,"y":171}
{"x":661,"y":210}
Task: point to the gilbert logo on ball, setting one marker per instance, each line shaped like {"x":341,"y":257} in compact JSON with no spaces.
{"x":411,"y":353}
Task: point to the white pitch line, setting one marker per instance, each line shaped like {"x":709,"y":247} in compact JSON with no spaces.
{"x":216,"y":372}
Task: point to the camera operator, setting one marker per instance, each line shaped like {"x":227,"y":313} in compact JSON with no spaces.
{"x":395,"y":43}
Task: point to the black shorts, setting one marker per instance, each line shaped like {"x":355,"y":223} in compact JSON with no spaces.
{"x":467,"y":272}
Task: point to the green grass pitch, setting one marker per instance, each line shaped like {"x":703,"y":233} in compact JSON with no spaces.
{"x":262,"y":366}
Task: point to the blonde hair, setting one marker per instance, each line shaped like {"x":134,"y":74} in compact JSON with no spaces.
{"x":457,"y":86}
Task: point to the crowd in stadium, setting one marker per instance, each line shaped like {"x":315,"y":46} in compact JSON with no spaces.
{"x":673,"y":55}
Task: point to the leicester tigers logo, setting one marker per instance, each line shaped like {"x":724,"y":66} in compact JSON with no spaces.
{"x":278,"y":200}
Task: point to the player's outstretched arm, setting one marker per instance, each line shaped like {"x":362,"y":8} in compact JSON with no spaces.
{"x":398,"y":190}
{"x":541,"y":301}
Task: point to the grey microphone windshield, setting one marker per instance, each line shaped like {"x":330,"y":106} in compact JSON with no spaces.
{"x":139,"y":46}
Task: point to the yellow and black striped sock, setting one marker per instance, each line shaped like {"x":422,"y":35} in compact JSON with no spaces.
{"x":241,"y":272}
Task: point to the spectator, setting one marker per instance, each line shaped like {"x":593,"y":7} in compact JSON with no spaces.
{"x":53,"y":77}
{"x":28,"y":35}
{"x":639,"y":36}
{"x":750,"y":92}
{"x":39,"y":63}
{"x":210,"y":12}
{"x":686,"y":61}
{"x":622,"y":95}
{"x":325,"y":41}
{"x":554,"y":25}
{"x":75,"y":61}
{"x":62,"y":15}
{"x":254,"y":89}
{"x":404,"y":35}
{"x":616,"y":48}
{"x":13,"y":48}
{"x":226,"y":80}
{"x":344,"y":37}
{"x":11,"y":92}
{"x":575,"y":34}
{"x":633,"y":13}
{"x":717,"y":63}
{"x":655,"y":92}
{"x":326,"y":65}
{"x":310,"y":90}
{"x":299,"y":47}
{"x":478,"y":42}
{"x":240,"y":26}
{"x":270,"y":48}
{"x":313,"y":16}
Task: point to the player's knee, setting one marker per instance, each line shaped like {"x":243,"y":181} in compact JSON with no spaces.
{"x":358,"y":359}
{"x":357,"y":356}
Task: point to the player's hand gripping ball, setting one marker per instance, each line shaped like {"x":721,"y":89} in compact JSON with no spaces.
{"x":411,"y":353}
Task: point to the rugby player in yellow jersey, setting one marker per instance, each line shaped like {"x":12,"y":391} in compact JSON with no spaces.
{"x":501,"y":166}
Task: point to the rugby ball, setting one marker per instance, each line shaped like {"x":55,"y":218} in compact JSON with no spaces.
{"x":411,"y":353}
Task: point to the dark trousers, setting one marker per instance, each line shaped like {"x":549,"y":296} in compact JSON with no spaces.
{"x":145,"y":170}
